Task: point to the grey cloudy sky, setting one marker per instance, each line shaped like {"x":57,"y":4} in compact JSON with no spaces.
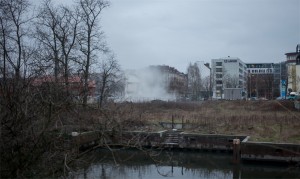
{"x":176,"y":32}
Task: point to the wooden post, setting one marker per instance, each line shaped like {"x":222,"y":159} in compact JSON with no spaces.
{"x":236,"y":151}
{"x":172,"y":122}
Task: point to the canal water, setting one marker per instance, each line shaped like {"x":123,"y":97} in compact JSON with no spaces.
{"x":135,"y":164}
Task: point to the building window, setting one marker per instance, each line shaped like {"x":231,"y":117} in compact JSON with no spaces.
{"x":218,"y":69}
{"x":269,"y":70}
{"x":218,"y":82}
{"x":218,"y":63}
{"x":298,"y":59}
{"x":219,"y":75}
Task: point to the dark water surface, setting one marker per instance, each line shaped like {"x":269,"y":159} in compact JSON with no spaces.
{"x":131,"y":164}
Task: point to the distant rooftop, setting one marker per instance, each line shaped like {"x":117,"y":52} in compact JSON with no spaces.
{"x":229,"y":57}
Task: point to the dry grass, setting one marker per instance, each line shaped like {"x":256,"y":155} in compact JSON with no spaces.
{"x":267,"y":121}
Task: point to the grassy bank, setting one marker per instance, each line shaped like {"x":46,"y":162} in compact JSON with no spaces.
{"x":265,"y":121}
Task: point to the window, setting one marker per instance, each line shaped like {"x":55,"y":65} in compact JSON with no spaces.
{"x":218,"y":63}
{"x":218,"y":69}
{"x":269,"y":70}
{"x":298,"y":60}
{"x":219,"y":75}
{"x":218,"y":82}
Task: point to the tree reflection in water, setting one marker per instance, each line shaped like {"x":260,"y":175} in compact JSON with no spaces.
{"x":176,"y":164}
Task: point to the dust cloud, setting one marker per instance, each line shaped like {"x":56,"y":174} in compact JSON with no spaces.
{"x":147,"y":84}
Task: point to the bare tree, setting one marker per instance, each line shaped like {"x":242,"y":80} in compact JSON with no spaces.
{"x":298,"y":83}
{"x":29,"y":106}
{"x":194,"y":81}
{"x":20,"y":111}
{"x":206,"y":85}
{"x":90,"y":36}
{"x":47,"y":26}
{"x":109,"y":78}
{"x":3,"y":40}
{"x":266,"y":85}
{"x":293,"y":76}
{"x":66,"y":34}
{"x":32,"y":129}
{"x":13,"y":29}
{"x":230,"y":81}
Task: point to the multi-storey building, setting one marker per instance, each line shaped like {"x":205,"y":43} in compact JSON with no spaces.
{"x":75,"y":84}
{"x":228,"y":73}
{"x":260,"y":68}
{"x":176,"y":82}
{"x":266,"y":80}
{"x":261,"y":80}
{"x":280,"y":76}
{"x":293,"y":70}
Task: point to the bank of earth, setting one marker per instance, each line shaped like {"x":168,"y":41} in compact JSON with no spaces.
{"x":263,"y":121}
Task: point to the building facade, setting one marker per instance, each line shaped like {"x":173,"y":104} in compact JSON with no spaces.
{"x":227,"y":74}
{"x":280,"y":78}
{"x":261,"y":80}
{"x":293,"y":70}
{"x":75,"y":84}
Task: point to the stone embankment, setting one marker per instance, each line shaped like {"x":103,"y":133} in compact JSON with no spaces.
{"x":174,"y":139}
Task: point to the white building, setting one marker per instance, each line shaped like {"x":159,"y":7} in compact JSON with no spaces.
{"x":228,"y":73}
{"x":293,"y":70}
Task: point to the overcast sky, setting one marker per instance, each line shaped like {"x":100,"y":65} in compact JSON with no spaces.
{"x":176,"y":32}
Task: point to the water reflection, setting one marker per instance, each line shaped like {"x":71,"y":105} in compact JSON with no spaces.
{"x":130,"y":164}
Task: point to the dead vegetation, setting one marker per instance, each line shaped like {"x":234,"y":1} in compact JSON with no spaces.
{"x":267,"y":121}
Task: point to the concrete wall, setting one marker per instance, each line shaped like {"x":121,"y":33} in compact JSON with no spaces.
{"x":257,"y":151}
{"x":264,"y":151}
{"x":233,"y":93}
{"x":208,"y":142}
{"x":169,"y":125}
